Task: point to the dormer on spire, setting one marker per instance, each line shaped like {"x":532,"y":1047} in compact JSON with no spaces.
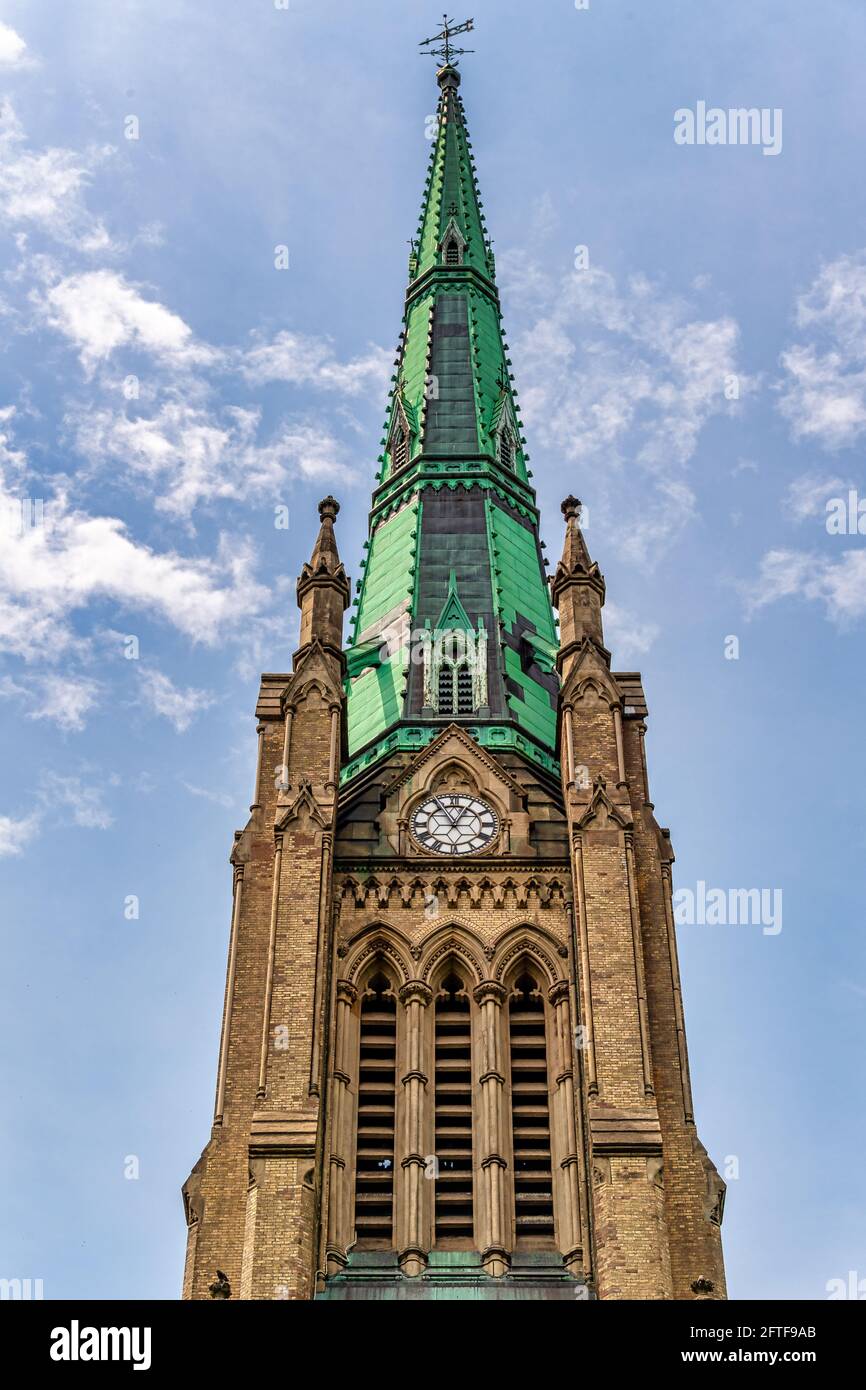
{"x":577,"y":590}
{"x":453,"y":243}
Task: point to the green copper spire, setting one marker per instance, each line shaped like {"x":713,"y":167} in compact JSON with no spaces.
{"x":454,"y":526}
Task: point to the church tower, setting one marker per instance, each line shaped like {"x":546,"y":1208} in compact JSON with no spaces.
{"x":453,"y":1058}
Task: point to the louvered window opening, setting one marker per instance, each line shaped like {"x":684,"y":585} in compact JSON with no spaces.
{"x":452,"y":253}
{"x":374,"y":1164}
{"x":506,"y":450}
{"x":446,"y":690}
{"x":400,"y":451}
{"x":530,"y":1117}
{"x":453,"y":1116}
{"x":465,"y":701}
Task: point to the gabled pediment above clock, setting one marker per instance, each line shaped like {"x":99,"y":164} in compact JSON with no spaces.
{"x":443,"y":761}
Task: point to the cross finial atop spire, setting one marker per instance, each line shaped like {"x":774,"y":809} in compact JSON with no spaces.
{"x":444,"y":49}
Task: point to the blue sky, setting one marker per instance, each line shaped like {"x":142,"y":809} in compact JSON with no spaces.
{"x":163,"y":388}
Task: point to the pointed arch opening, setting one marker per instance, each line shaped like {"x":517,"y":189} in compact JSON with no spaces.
{"x":453,"y":1130}
{"x":400,"y":440}
{"x":375,"y":1143}
{"x":530,"y":1113}
{"x":506,"y":449}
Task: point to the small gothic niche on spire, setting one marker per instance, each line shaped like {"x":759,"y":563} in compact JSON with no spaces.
{"x":400,"y":440}
{"x":452,"y":247}
{"x":504,"y":432}
{"x":455,"y":662}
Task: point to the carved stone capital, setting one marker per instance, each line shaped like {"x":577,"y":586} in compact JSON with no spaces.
{"x":347,"y":993}
{"x":489,"y":989}
{"x":558,"y":992}
{"x":415,"y":990}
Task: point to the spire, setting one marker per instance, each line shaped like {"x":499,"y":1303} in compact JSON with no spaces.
{"x":451,"y":205}
{"x":323,"y":587}
{"x":454,"y":510}
{"x":578,"y":588}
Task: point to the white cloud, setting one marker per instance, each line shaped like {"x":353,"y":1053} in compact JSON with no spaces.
{"x":614,"y":372}
{"x":839,"y":584}
{"x":15,"y":835}
{"x":13,"y":49}
{"x":808,"y":495}
{"x":306,"y":361}
{"x":65,"y":700}
{"x":627,"y":636}
{"x":218,"y":798}
{"x":99,"y":311}
{"x":10,"y":457}
{"x":47,"y":575}
{"x":178,"y":706}
{"x":86,"y":802}
{"x":50,"y":572}
{"x":188,"y":456}
{"x":824,"y":393}
{"x":45,"y":189}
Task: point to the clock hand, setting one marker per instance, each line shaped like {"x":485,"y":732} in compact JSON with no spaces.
{"x":444,"y":812}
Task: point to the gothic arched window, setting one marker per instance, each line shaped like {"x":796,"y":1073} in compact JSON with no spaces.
{"x":452,"y":252}
{"x":454,"y":1223}
{"x":530,"y":1116}
{"x":374,"y":1160}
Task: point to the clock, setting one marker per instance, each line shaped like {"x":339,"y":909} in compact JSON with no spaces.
{"x":455,"y":823}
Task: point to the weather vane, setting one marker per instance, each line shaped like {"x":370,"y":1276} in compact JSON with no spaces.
{"x":444,"y":50}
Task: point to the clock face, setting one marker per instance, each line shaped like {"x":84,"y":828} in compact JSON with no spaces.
{"x":455,"y":823}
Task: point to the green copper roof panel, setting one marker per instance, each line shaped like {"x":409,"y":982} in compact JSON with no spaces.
{"x":390,"y":572}
{"x":412,"y":375}
{"x":450,"y":420}
{"x":518,"y":575}
{"x":376,"y":700}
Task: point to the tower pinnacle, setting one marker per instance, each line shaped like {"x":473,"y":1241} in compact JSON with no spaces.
{"x":577,"y":589}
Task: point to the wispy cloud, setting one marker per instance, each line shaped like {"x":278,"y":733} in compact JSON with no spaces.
{"x":50,"y":572}
{"x":65,"y":700}
{"x":13,"y":49}
{"x":15,"y":835}
{"x":808,"y":495}
{"x":179,"y":707}
{"x":218,"y":798}
{"x":838,"y":584}
{"x":99,"y":311}
{"x":627,"y":635}
{"x":45,"y":189}
{"x":85,"y":801}
{"x":187,"y":455}
{"x":823,"y":395}
{"x":611,"y":371}
{"x":308,"y":361}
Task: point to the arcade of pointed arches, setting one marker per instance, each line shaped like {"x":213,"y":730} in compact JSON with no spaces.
{"x":455,"y":1124}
